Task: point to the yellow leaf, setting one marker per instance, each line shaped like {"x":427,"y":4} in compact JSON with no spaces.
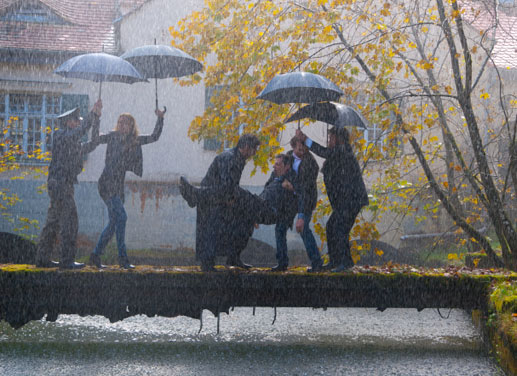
{"x":484,"y":96}
{"x":452,"y":256}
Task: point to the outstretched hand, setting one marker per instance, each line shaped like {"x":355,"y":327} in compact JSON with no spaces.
{"x":160,"y":113}
{"x":97,"y":108}
{"x":301,"y":135}
{"x":286,"y":184}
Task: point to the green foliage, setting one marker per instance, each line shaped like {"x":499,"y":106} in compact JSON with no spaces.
{"x":504,"y":297}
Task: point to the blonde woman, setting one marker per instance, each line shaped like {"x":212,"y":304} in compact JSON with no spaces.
{"x":123,"y":153}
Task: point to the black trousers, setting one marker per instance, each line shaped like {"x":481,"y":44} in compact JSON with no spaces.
{"x":224,"y":228}
{"x":338,"y":229}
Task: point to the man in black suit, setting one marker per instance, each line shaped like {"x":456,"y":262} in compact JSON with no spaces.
{"x":346,"y":192}
{"x":305,"y":170}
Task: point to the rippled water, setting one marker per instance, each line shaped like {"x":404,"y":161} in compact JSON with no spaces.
{"x":300,"y":342}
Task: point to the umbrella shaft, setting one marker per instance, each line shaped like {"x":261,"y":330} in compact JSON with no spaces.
{"x":156,"y":91}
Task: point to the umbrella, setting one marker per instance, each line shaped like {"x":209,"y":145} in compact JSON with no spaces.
{"x":99,"y":67}
{"x":300,"y":87}
{"x":337,"y":114}
{"x":158,"y":61}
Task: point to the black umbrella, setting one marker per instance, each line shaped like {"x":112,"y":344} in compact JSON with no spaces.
{"x":99,"y":67}
{"x":300,"y":87}
{"x":337,"y":114}
{"x":158,"y":61}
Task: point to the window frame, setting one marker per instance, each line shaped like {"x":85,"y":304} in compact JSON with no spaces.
{"x":34,"y":127}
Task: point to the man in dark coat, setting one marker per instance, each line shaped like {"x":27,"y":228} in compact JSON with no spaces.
{"x":221,"y":185}
{"x":306,"y":171}
{"x":346,"y":192}
{"x":67,"y":162}
{"x":272,"y":206}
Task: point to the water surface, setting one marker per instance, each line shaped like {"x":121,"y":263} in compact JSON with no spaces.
{"x":352,"y":341}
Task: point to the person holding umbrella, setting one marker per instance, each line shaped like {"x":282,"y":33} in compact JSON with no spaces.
{"x":346,"y":192}
{"x":67,"y":162}
{"x":123,"y":153}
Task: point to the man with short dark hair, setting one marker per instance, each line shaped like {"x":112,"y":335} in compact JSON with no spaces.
{"x":221,"y":184}
{"x":346,"y":192}
{"x":67,"y":162}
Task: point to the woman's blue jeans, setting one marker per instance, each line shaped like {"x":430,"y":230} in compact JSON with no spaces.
{"x":116,"y":225}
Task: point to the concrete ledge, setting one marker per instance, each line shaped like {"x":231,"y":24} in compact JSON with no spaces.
{"x":29,"y":293}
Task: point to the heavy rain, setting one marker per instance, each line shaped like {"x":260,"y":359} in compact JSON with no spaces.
{"x":214,"y":187}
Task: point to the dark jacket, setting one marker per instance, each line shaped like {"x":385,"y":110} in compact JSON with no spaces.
{"x":342,"y":176}
{"x":214,"y":216}
{"x":224,"y":174}
{"x":305,"y":184}
{"x":122,"y":154}
{"x":68,"y":151}
{"x":279,"y":198}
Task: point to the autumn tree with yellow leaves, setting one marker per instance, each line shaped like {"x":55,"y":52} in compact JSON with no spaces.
{"x":10,"y":167}
{"x":422,"y":71}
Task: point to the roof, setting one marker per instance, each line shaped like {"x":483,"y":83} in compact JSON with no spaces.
{"x":483,"y":18}
{"x":78,"y":26}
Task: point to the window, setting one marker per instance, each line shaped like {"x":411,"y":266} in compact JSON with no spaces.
{"x":28,"y":121}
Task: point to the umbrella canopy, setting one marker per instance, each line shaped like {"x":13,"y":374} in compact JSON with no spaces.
{"x":158,"y":61}
{"x":300,"y":87}
{"x":333,"y":113}
{"x":99,"y":67}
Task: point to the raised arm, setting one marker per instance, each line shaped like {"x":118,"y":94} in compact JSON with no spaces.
{"x":320,"y":151}
{"x":92,"y":121}
{"x":147,"y":139}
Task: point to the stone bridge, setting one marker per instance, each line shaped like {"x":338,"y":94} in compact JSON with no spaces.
{"x":29,"y":293}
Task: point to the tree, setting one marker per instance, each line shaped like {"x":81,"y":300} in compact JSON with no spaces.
{"x":10,"y":153}
{"x":424,"y":72}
